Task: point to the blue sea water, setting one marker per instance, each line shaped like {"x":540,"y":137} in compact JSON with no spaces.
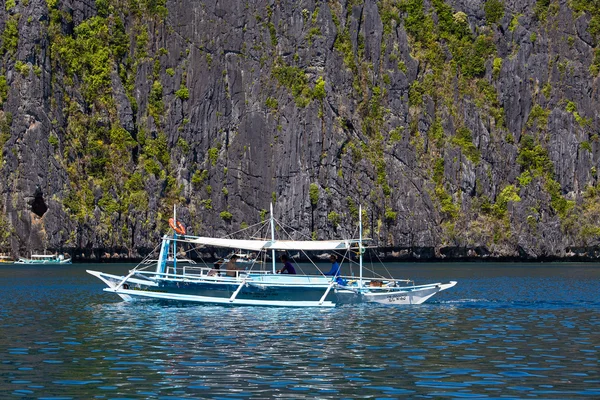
{"x":510,"y":331}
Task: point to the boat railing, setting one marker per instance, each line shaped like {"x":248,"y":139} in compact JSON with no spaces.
{"x":203,"y":274}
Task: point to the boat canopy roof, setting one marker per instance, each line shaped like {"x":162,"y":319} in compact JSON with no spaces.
{"x":264,"y":244}
{"x":44,"y":256}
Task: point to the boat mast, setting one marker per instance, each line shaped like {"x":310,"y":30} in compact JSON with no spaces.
{"x":273,"y":238}
{"x":174,"y":241}
{"x":360,"y":248}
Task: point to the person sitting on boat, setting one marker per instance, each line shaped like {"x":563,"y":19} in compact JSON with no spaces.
{"x":335,"y":267}
{"x":231,"y":268}
{"x":216,"y":268}
{"x":288,"y":268}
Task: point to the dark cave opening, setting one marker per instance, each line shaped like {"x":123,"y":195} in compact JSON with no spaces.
{"x":38,"y":205}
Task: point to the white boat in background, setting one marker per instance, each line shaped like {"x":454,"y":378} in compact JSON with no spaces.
{"x":171,"y":260}
{"x":4,"y":259}
{"x":44,"y":259}
{"x":257,"y":286}
{"x":244,"y":258}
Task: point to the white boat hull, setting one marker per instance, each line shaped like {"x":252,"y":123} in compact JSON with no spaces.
{"x":226,"y":291}
{"x":394,"y":296}
{"x":42,"y":262}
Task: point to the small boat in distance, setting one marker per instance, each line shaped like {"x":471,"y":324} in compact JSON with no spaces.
{"x":44,"y":259}
{"x":6,"y":259}
{"x":258,"y":286}
{"x":244,"y":258}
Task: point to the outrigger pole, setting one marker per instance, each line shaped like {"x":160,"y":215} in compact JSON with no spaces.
{"x":360,"y":248}
{"x":273,"y":238}
{"x":174,"y":241}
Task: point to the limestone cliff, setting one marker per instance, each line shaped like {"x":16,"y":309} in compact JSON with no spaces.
{"x":462,"y":127}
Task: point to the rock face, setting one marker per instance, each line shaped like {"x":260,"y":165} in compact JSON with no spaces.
{"x":463,"y":128}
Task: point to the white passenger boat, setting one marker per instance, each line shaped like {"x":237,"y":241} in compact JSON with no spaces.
{"x":44,"y":259}
{"x":256,"y":286}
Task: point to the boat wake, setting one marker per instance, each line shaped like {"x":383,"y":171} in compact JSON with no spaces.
{"x":463,"y":301}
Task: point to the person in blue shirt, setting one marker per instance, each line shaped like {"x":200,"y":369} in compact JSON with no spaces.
{"x":335,"y":267}
{"x":288,"y":268}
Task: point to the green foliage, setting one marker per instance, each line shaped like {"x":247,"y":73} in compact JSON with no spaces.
{"x":225,"y":191}
{"x":273,"y":33}
{"x":396,"y":134}
{"x":207,"y":204}
{"x":585,"y":145}
{"x":352,"y":208}
{"x":417,"y":24}
{"x":170,"y":71}
{"x":108,"y":204}
{"x":334,"y":218}
{"x":135,"y":183}
{"x":533,"y":37}
{"x":155,"y":7}
{"x":120,"y":139}
{"x":155,"y":100}
{"x":198,"y":178}
{"x":436,"y":133}
{"x":547,"y":90}
{"x":540,"y":10}
{"x":534,"y":157}
{"x":593,"y":9}
{"x":295,"y":80}
{"x":263,"y":215}
{"x":390,"y":215}
{"x":313,"y":194}
{"x":10,"y":35}
{"x":158,"y":148}
{"x":23,"y":68}
{"x":183,"y":93}
{"x":447,"y":206}
{"x":471,"y":56}
{"x":318,"y":92}
{"x":53,"y":140}
{"x":343,"y":45}
{"x":494,"y":11}
{"x":415,"y":94}
{"x":90,"y":53}
{"x":438,"y":171}
{"x":514,"y":22}
{"x":183,"y":145}
{"x":524,"y":179}
{"x":3,"y":90}
{"x":557,"y":201}
{"x":497,"y":66}
{"x":538,"y":116}
{"x":5,"y":123}
{"x":272,"y":103}
{"x":464,"y":140}
{"x":312,"y":32}
{"x":572,"y":108}
{"x":213,"y":155}
{"x":402,"y":66}
{"x":508,"y":194}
